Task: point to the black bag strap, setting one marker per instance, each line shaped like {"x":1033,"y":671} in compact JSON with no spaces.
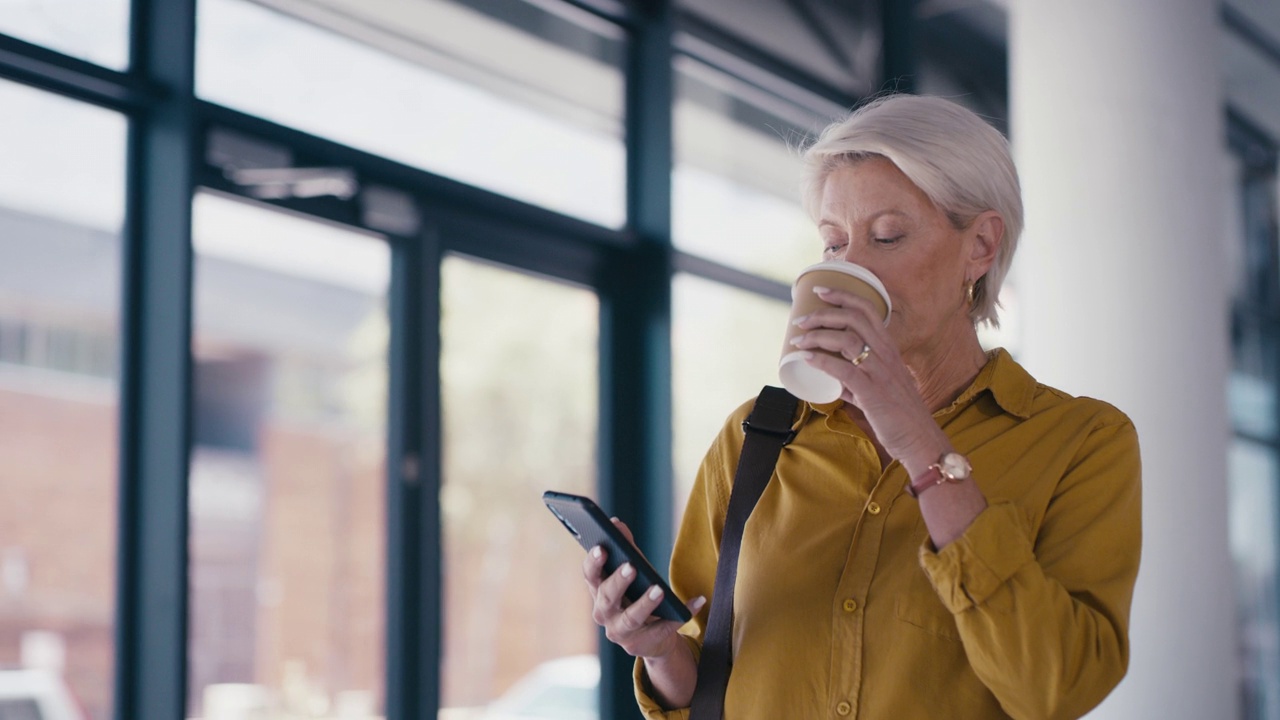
{"x":768,"y":430}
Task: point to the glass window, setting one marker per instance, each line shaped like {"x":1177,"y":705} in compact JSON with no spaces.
{"x":518,"y":375}
{"x":501,"y":94}
{"x":1252,"y":404}
{"x":61,"y":212}
{"x":1250,"y":247}
{"x":1252,"y":478}
{"x":287,"y":485}
{"x":1251,"y":83}
{"x":736,"y":180}
{"x":725,"y":347}
{"x":94,"y":30}
{"x":1255,"y":283}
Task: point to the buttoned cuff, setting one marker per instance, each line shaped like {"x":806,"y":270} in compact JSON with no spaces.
{"x":971,"y":569}
{"x":650,"y":707}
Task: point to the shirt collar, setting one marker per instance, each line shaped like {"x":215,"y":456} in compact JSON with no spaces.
{"x":1010,"y":385}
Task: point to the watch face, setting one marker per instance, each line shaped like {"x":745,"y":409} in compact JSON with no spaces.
{"x":955,"y":466}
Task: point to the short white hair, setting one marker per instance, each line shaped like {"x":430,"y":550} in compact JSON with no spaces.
{"x":955,"y":157}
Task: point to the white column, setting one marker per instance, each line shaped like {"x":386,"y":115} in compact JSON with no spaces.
{"x":1122,"y":288}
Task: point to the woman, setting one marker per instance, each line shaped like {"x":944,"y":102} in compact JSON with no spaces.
{"x":950,"y":538}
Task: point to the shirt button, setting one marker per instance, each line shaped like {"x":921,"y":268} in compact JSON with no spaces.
{"x":873,"y":508}
{"x":844,"y":708}
{"x":850,"y":605}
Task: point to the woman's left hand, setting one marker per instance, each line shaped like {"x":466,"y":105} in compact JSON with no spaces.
{"x":884,"y":388}
{"x":880,"y":384}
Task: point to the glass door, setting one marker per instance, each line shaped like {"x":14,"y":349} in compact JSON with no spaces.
{"x":519,"y":388}
{"x":287,"y":482}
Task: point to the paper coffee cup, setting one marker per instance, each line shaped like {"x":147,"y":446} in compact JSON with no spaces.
{"x":799,"y":377}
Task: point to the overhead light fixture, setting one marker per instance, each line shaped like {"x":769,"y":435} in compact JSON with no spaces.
{"x":286,"y":183}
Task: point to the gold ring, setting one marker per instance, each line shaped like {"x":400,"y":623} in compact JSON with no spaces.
{"x":866,"y":352}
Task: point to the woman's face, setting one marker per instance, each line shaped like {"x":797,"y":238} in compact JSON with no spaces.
{"x":872,"y":215}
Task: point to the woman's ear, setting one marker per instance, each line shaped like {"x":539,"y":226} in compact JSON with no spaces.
{"x":987,"y":232}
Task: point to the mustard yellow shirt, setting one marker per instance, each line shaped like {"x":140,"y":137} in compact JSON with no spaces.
{"x":844,"y":609}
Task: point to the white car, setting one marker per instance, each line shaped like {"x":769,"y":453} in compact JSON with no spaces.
{"x":566,"y":688}
{"x":36,"y":695}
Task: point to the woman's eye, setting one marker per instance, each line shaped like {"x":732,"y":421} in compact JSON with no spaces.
{"x":887,"y":241}
{"x":834,"y":248}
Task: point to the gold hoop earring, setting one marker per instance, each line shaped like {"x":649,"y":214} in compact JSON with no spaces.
{"x":968,"y":292}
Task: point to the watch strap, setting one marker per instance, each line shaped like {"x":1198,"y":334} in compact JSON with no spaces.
{"x":932,"y":477}
{"x":951,"y":467}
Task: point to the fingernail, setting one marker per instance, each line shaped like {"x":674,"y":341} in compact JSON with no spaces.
{"x":806,"y":355}
{"x":797,"y":339}
{"x":820,"y":290}
{"x":596,"y":552}
{"x":628,"y":571}
{"x":800,"y":320}
{"x":697,"y":603}
{"x":615,"y":521}
{"x":655,"y":592}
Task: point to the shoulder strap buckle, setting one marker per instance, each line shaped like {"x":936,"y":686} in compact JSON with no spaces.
{"x":773,"y":414}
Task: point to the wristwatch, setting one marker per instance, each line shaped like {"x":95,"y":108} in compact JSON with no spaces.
{"x":951,"y":467}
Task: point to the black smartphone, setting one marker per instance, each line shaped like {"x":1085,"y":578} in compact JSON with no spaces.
{"x":591,"y":527}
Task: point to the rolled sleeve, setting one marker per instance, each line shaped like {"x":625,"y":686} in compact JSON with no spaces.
{"x":971,"y":569}
{"x":649,"y":706}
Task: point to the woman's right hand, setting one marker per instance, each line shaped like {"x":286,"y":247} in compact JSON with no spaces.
{"x":670,"y":669}
{"x":630,"y":626}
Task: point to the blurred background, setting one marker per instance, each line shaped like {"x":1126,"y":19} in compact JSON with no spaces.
{"x":303,"y":303}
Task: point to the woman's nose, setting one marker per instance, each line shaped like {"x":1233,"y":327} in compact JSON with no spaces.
{"x":858,"y":256}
